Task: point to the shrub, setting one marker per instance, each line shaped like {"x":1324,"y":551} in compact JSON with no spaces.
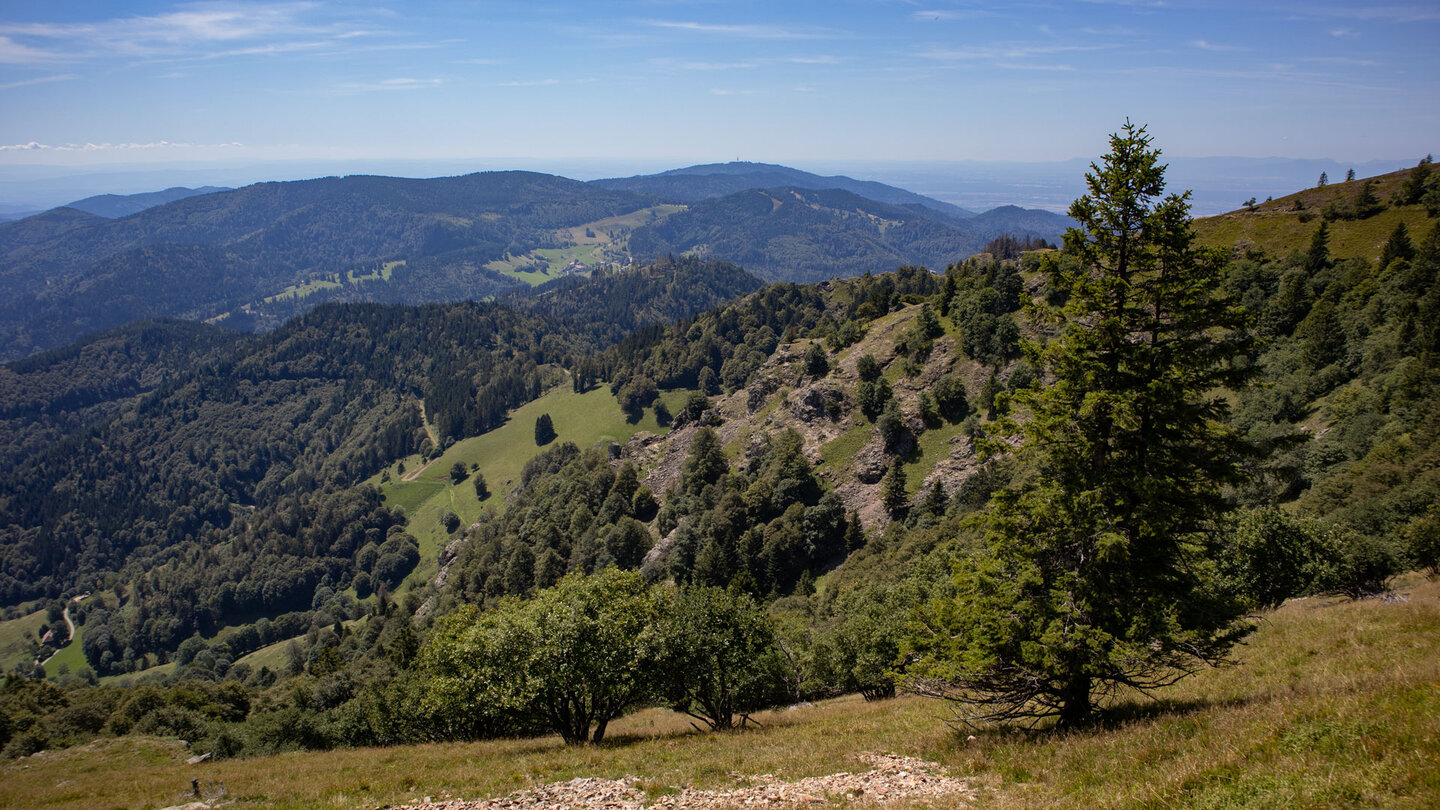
{"x":816,"y":363}
{"x":949,"y":393}
{"x":867,"y":367}
{"x":1274,"y":556}
{"x":1361,"y":563}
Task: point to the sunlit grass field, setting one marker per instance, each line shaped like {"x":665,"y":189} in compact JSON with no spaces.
{"x":1332,"y":703}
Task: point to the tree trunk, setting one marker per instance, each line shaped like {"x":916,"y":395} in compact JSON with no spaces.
{"x":1075,"y":709}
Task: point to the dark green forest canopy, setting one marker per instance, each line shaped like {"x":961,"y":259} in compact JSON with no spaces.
{"x":65,"y":274}
{"x":219,"y":471}
{"x":807,"y":235}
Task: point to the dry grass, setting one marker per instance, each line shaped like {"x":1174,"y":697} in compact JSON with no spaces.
{"x":1334,"y":704}
{"x":1278,"y":226}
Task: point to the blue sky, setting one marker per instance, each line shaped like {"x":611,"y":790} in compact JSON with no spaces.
{"x":111,"y":82}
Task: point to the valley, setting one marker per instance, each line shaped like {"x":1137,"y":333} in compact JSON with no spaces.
{"x":318,"y":551}
{"x":1352,"y":725}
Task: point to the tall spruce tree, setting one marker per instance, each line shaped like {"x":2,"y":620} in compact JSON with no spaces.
{"x":544,"y":430}
{"x":1099,"y":569}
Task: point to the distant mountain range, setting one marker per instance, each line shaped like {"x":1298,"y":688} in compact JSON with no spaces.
{"x":66,"y":273}
{"x":696,"y":183}
{"x":115,"y":206}
{"x":253,"y":256}
{"x":805,"y":235}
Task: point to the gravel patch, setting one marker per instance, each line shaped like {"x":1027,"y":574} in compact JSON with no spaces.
{"x":891,"y":778}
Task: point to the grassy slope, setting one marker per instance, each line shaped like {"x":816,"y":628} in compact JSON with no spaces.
{"x":1278,"y":226}
{"x":352,"y":277}
{"x":1334,"y":704}
{"x":933,"y":445}
{"x":15,"y":638}
{"x":589,"y":244}
{"x":72,"y":655}
{"x":584,"y":419}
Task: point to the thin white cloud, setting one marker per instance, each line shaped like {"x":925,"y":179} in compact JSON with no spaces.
{"x":995,"y":52}
{"x":717,"y":65}
{"x":814,"y":60}
{"x":942,"y":15}
{"x":1211,"y":46}
{"x":1340,"y":60}
{"x":742,"y":31}
{"x":1033,"y":66}
{"x":1398,"y":13}
{"x":193,"y":29}
{"x":16,"y":53}
{"x":405,"y":84}
{"x":33,"y":146}
{"x":1274,"y":72}
{"x":392,"y":84}
{"x":530,"y":83}
{"x":63,"y":77}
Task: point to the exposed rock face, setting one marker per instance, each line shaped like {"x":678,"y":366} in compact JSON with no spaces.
{"x":819,"y":401}
{"x":758,"y":393}
{"x":871,"y":462}
{"x":780,"y":397}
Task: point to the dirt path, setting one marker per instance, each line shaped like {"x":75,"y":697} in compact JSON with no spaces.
{"x":411,"y":476}
{"x":892,"y":778}
{"x":69,"y":625}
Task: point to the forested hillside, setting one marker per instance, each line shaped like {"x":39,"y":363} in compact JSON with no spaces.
{"x":123,"y":205}
{"x":803,"y":235}
{"x":215,"y":474}
{"x":822,"y":479}
{"x":695,"y":183}
{"x":251,"y":258}
{"x":67,"y":274}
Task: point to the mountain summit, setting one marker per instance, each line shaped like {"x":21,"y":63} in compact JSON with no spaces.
{"x":711,"y":180}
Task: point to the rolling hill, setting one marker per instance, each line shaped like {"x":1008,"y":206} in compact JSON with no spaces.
{"x":806,"y":235}
{"x":1288,"y":223}
{"x":252,"y":257}
{"x":113,"y":206}
{"x":695,"y":183}
{"x":288,"y":519}
{"x":66,"y":273}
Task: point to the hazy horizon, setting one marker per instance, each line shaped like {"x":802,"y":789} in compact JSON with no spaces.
{"x":1219,"y":184}
{"x":152,"y":82}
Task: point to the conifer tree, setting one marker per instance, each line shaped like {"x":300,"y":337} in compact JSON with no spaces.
{"x":1098,"y":568}
{"x":1317,"y":258}
{"x":892,"y":490}
{"x":1398,"y":246}
{"x":544,"y":430}
{"x":816,"y":363}
{"x":854,"y":533}
{"x":1367,"y":204}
